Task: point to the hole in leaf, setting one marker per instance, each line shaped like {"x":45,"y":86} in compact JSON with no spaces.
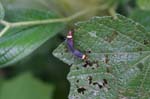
{"x":90,"y":79}
{"x":87,"y":63}
{"x":96,"y":83}
{"x":77,"y":81}
{"x":146,"y":42}
{"x":105,"y":82}
{"x":88,"y":51}
{"x":106,"y":59}
{"x":81,"y":90}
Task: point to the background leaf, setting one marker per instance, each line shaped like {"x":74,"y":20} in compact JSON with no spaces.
{"x":119,"y":55}
{"x":144,"y":4}
{"x":20,"y":42}
{"x":2,"y":12}
{"x":142,"y":17}
{"x":25,"y":86}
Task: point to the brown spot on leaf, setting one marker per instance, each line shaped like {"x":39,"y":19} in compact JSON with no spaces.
{"x":66,"y":49}
{"x":112,"y":37}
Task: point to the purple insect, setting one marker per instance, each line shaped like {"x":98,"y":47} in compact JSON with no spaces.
{"x":71,"y":47}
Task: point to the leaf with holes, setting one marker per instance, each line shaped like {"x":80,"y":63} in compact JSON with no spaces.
{"x":21,"y":41}
{"x":118,"y":64}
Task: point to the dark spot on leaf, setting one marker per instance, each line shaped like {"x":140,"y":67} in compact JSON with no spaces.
{"x":87,"y":63}
{"x":77,"y":81}
{"x":89,"y":51}
{"x":105,"y":82}
{"x":108,"y":69}
{"x":62,"y":53}
{"x":96,"y":63}
{"x":77,"y":68}
{"x":96,"y":83}
{"x":62,"y":37}
{"x":106,"y":59}
{"x":90,"y":79}
{"x":81,"y":90}
{"x":140,"y":66}
{"x":77,"y":97}
{"x":146,"y":42}
{"x":66,"y":49}
{"x":112,"y":37}
{"x":139,"y":49}
{"x":70,"y":64}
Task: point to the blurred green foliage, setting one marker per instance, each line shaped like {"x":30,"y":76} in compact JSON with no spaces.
{"x":25,"y":86}
{"x":144,"y":4}
{"x":2,"y":12}
{"x":141,"y":16}
{"x":49,"y":71}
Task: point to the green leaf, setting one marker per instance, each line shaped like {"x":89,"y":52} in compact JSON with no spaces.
{"x":2,"y":12}
{"x":142,"y":17}
{"x":144,"y":4}
{"x":21,"y":41}
{"x":118,"y":52}
{"x":25,"y":86}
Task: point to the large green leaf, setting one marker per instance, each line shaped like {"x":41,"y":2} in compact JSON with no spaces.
{"x":2,"y":12}
{"x":144,"y":4}
{"x":25,"y":86}
{"x":119,"y":55}
{"x":142,"y":17}
{"x":20,"y":42}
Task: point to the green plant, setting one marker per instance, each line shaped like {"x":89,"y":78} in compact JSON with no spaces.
{"x":117,"y":47}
